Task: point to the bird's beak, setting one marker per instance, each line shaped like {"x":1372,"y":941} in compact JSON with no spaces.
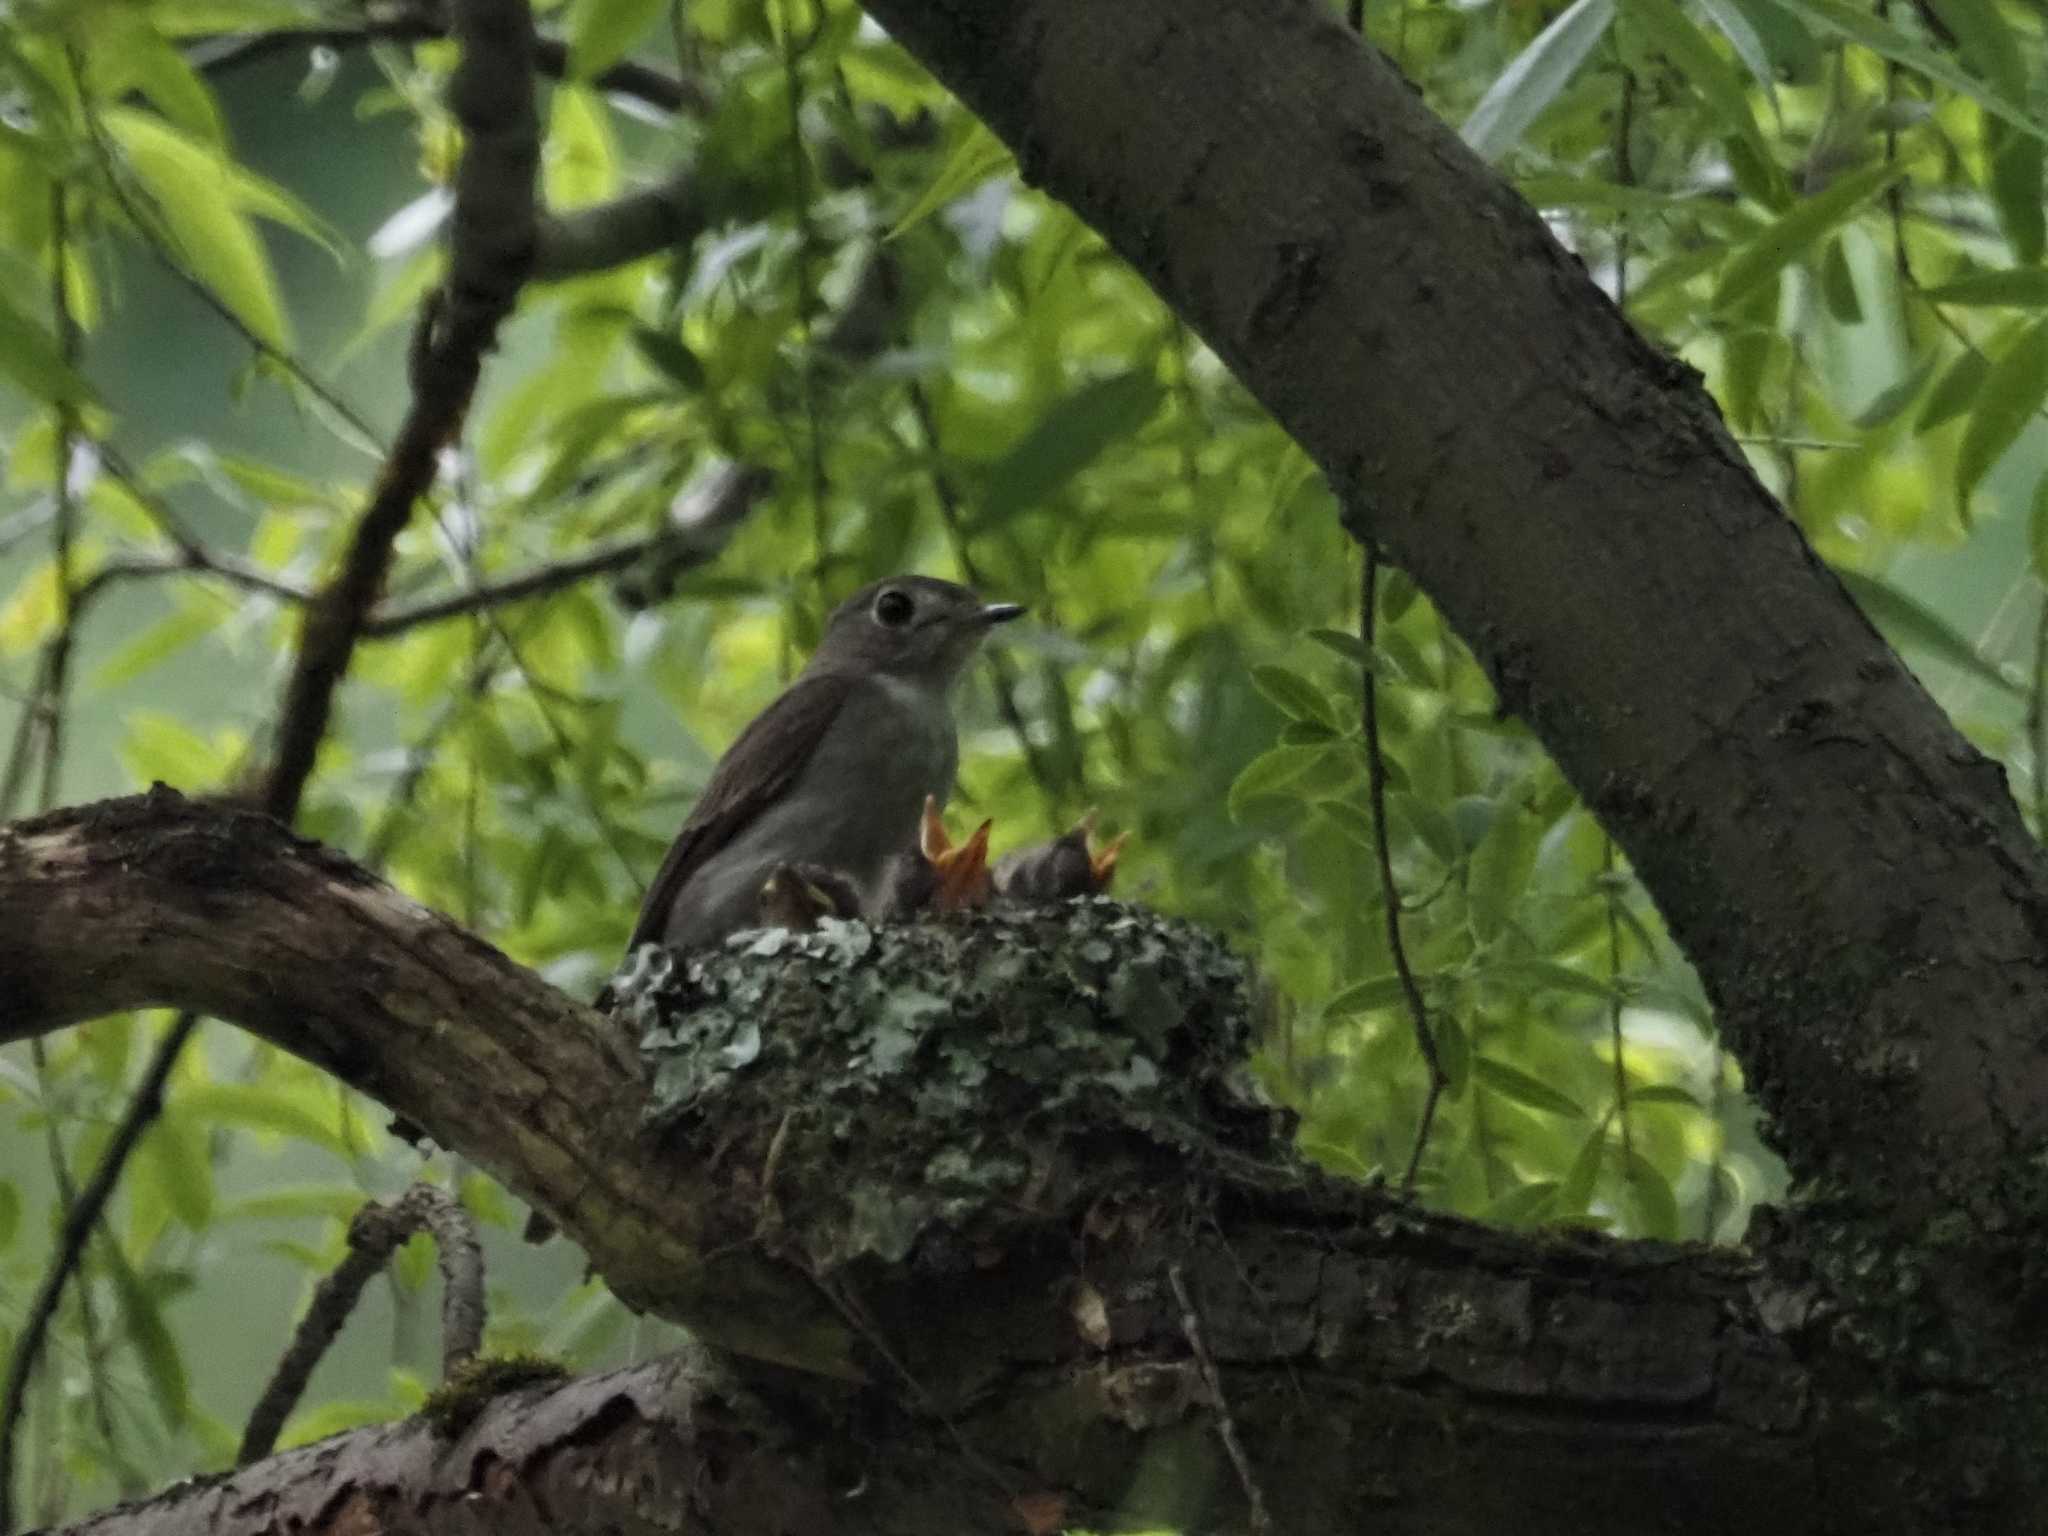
{"x":1000,"y":613}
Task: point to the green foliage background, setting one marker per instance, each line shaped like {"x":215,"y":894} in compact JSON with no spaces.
{"x":1835,"y":213}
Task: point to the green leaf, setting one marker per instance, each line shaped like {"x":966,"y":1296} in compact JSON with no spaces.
{"x":1453,"y":1049}
{"x":1343,"y":643}
{"x":1656,"y":1206}
{"x":1295,"y":695}
{"x":1838,"y":286}
{"x":1535,"y":78}
{"x":208,"y":232}
{"x":1066,"y":440}
{"x":1988,"y":45}
{"x":10,"y":1212}
{"x":2013,"y":287}
{"x":1555,"y":977}
{"x":1269,"y":774}
{"x":2012,"y":393}
{"x":1664,"y":1093}
{"x":1352,"y":819}
{"x":1526,"y":1205}
{"x":158,"y":643}
{"x":1730,"y":21}
{"x":1953,"y":391}
{"x":1580,"y":1180}
{"x":1894,"y":398}
{"x":601,"y":32}
{"x":2014,"y":182}
{"x":154,"y":1344}
{"x":1363,"y":996}
{"x":977,"y":156}
{"x":1672,"y":33}
{"x":1500,"y":869}
{"x":252,"y":1107}
{"x":1518,"y":1087}
{"x":666,"y":351}
{"x":2037,"y":531}
{"x":1907,"y":624}
{"x":1792,"y":235}
{"x":1886,"y":41}
{"x":29,"y":355}
{"x":178,"y":1169}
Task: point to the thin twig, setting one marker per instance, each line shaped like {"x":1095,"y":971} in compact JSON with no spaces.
{"x":491,"y":94}
{"x":956,"y":533}
{"x":72,"y":1235}
{"x":1390,"y":893}
{"x":1258,"y":1522}
{"x":667,"y":93}
{"x":374,"y":1234}
{"x":1614,"y":1040}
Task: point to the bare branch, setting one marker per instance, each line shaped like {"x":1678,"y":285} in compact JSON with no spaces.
{"x":373,"y":1236}
{"x":491,"y":95}
{"x":667,"y":93}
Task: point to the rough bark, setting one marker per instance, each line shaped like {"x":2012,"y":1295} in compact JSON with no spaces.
{"x":1373,"y":1361}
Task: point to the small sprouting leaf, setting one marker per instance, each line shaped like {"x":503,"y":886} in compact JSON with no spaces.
{"x":1517,"y":1086}
{"x":1066,"y":440}
{"x":178,"y":1170}
{"x":2010,"y":287}
{"x":1453,"y":1050}
{"x":1535,"y":78}
{"x":1907,"y":623}
{"x":1792,"y":235}
{"x":977,"y":156}
{"x":1294,"y":694}
{"x":10,"y":1211}
{"x":2012,"y":392}
{"x":1838,"y":286}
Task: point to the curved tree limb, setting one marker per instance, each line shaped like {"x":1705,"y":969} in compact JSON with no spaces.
{"x":1699,"y":1376}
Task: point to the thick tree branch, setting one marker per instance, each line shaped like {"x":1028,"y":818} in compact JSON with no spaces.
{"x":1730,"y":1388}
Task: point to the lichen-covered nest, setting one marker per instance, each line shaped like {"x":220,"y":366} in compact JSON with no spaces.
{"x":930,"y":1091}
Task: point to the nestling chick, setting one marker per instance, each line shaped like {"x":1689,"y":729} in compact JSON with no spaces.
{"x":1063,"y":868}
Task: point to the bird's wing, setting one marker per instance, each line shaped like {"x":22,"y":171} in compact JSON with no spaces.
{"x":755,"y":771}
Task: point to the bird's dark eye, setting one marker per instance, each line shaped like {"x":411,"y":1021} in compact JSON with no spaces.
{"x":894,"y":608}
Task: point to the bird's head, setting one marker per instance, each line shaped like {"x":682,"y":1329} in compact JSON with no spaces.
{"x":915,"y":627}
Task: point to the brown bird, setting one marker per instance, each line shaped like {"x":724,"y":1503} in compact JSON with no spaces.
{"x":834,"y":772}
